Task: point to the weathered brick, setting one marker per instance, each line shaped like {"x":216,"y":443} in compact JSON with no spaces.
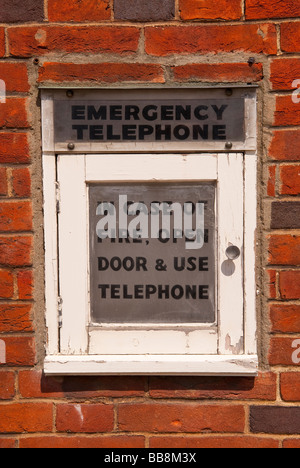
{"x":285,"y":318}
{"x":2,"y":42}
{"x":220,"y":72}
{"x":15,"y":76}
{"x":275,"y":420}
{"x":290,"y":36}
{"x":183,"y":417}
{"x":7,"y":386}
{"x":289,"y":284}
{"x":29,"y":41}
{"x":285,"y":215}
{"x":21,"y":182}
{"x":143,"y":10}
{"x":21,"y":11}
{"x":8,"y":443}
{"x":287,"y":112}
{"x":15,"y":318}
{"x":271,"y":283}
{"x":291,"y":444}
{"x":282,"y":351}
{"x":15,"y":216}
{"x":15,"y":251}
{"x":284,"y":71}
{"x":25,"y":284}
{"x":290,"y":180}
{"x":82,"y":442}
{"x":3,"y":181}
{"x":220,"y":442}
{"x":205,"y":9}
{"x":229,"y":388}
{"x":285,"y":145}
{"x":102,"y":72}
{"x":20,"y":350}
{"x":265,"y":9}
{"x":72,"y":10}
{"x":6,"y":284}
{"x":284,"y":250}
{"x":14,"y":148}
{"x":85,"y":418}
{"x":290,"y":386}
{"x":255,"y":38}
{"x":13,"y":113}
{"x":271,"y":187}
{"x":26,"y":417}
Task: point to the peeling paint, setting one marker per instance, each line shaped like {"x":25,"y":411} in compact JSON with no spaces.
{"x":235,"y":349}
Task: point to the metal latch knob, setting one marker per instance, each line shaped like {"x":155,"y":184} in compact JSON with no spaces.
{"x":233,"y":252}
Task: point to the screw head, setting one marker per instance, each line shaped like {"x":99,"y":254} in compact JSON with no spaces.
{"x":233,"y":252}
{"x":228,"y":145}
{"x":71,"y":146}
{"x":229,"y":92}
{"x":70,"y":93}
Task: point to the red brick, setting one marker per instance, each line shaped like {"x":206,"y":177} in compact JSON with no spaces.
{"x":189,"y":417}
{"x":283,"y":73}
{"x":15,"y":318}
{"x":7,"y":443}
{"x":289,"y":284}
{"x":271,"y":283}
{"x":291,"y":444}
{"x":284,"y":250}
{"x":16,"y":11}
{"x":290,"y":180}
{"x":290,"y":36}
{"x":15,"y":251}
{"x":285,"y":145}
{"x":281,"y":351}
{"x":271,"y":189}
{"x":290,"y":386}
{"x":2,"y":42}
{"x":219,"y":442}
{"x":20,"y":350}
{"x":13,"y":113}
{"x":265,"y":9}
{"x":15,"y":216}
{"x":7,"y":386}
{"x":253,"y":38}
{"x":82,"y":442}
{"x":205,"y":9}
{"x":25,"y":284}
{"x":29,"y":41}
{"x":72,"y":10}
{"x":85,"y":418}
{"x":285,"y":318}
{"x":287,"y":112}
{"x":14,"y":148}
{"x":15,"y":76}
{"x":102,"y":72}
{"x":228,"y":388}
{"x":34,"y":384}
{"x":6,"y":285}
{"x":21,"y":182}
{"x":26,"y":417}
{"x":221,"y":72}
{"x":3,"y":181}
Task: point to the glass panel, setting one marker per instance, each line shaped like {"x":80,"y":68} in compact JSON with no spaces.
{"x":152,"y":253}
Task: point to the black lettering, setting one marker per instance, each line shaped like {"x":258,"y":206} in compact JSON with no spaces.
{"x":203,"y":292}
{"x":167,"y":113}
{"x":78,"y":112}
{"x":219,"y":111}
{"x":96,"y":132}
{"x":198,"y":111}
{"x":177,"y":295}
{"x":125,"y":292}
{"x":103,"y":264}
{"x":185,"y":112}
{"x":110,"y":134}
{"x":145,"y":130}
{"x":115,"y":291}
{"x":129,"y":132}
{"x":132,"y":112}
{"x":191,"y":292}
{"x":203,"y":264}
{"x":181,"y":132}
{"x":163,"y":292}
{"x":166,"y":132}
{"x":100,"y":114}
{"x":138,"y":292}
{"x":115,"y":112}
{"x":103,"y":288}
{"x":148,"y":115}
{"x":200,"y":131}
{"x":80,"y":129}
{"x":219,"y":132}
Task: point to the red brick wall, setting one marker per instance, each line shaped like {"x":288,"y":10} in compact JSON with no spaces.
{"x":140,"y":41}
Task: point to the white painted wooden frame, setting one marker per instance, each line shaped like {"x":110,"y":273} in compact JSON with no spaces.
{"x":226,"y":349}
